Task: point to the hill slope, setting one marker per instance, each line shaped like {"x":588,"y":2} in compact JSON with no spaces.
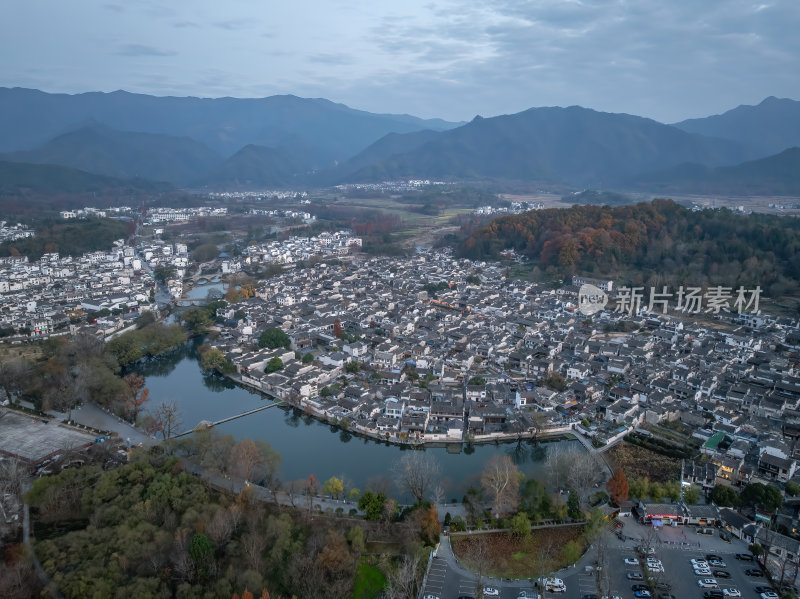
{"x":569,"y":145}
{"x":658,"y":243}
{"x":768,"y":128}
{"x":18,"y":177}
{"x":257,"y":167}
{"x":29,"y":118}
{"x":774,"y":175}
{"x":105,"y":151}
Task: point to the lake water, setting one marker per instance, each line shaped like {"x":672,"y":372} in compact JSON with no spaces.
{"x":308,"y":446}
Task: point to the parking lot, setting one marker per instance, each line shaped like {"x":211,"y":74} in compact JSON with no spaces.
{"x":674,"y":547}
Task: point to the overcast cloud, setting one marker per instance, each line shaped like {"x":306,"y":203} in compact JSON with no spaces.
{"x":664,"y":59}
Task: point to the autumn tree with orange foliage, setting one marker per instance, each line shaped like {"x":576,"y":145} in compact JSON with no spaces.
{"x":136,"y":395}
{"x":617,"y":486}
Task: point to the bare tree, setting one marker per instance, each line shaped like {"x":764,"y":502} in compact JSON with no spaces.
{"x":416,"y":472}
{"x":500,"y":482}
{"x":253,"y":545}
{"x":167,"y":419}
{"x":245,"y":458}
{"x":14,"y":373}
{"x":583,"y":471}
{"x":476,"y":557}
{"x":403,"y":582}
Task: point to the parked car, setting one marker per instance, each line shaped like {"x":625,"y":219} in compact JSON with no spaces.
{"x":702,"y":572}
{"x":555,"y":585}
{"x":714,"y":594}
{"x":755,"y":572}
{"x":663,"y":586}
{"x":705,"y":530}
{"x":631,"y":561}
{"x":490,"y":592}
{"x":732,"y":592}
{"x":528,"y":595}
{"x":643,"y":594}
{"x":710,"y":556}
{"x":699,"y":563}
{"x":708,"y":583}
{"x":639,"y":587}
{"x":431,"y":597}
{"x":722,"y":574}
{"x":634,"y":576}
{"x":745,"y":557}
{"x":770,"y":595}
{"x":763,"y":589}
{"x":717,"y":562}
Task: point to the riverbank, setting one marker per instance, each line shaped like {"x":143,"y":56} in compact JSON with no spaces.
{"x":309,"y":407}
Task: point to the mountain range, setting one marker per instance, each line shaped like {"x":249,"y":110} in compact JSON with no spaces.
{"x":285,"y":141}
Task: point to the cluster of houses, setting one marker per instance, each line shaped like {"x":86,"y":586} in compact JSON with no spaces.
{"x":417,"y":353}
{"x":514,"y":208}
{"x":13,"y":232}
{"x":306,"y":217}
{"x":47,"y":296}
{"x":90,"y":212}
{"x":170,"y":215}
{"x":296,"y":249}
{"x":260,"y":196}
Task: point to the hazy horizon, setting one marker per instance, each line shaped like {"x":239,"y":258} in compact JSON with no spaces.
{"x":665,"y":61}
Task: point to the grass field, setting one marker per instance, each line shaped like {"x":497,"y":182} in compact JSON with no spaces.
{"x":369,"y":582}
{"x":509,"y":556}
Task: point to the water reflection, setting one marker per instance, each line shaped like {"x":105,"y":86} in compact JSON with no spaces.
{"x":316,"y":447}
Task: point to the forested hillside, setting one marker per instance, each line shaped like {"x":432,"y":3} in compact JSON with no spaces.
{"x":652,"y":243}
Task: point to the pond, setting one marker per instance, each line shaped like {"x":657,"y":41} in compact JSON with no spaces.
{"x":308,"y":446}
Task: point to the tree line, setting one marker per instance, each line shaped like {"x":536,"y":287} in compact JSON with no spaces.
{"x":656,"y":243}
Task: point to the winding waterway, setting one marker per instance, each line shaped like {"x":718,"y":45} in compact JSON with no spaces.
{"x":308,"y":446}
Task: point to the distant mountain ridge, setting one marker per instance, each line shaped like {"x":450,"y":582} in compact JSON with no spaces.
{"x":17,"y":177}
{"x":99,"y":149}
{"x":334,"y":132}
{"x":258,"y":167}
{"x":768,"y":127}
{"x":286,"y":141}
{"x":571,"y":145}
{"x":774,"y":175}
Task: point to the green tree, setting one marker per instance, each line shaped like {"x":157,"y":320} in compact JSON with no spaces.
{"x":724,"y":496}
{"x":691,"y":494}
{"x":478,"y":381}
{"x":792,"y":488}
{"x":197,"y":320}
{"x":325,"y":392}
{"x":371,"y":503}
{"x":201,"y":549}
{"x":274,"y":365}
{"x":571,"y":552}
{"x":573,"y":505}
{"x":672,"y":489}
{"x":655,"y":491}
{"x":273,"y":338}
{"x":521,"y":525}
{"x":352,"y":367}
{"x":163,"y":273}
{"x":214,"y":359}
{"x":308,"y":358}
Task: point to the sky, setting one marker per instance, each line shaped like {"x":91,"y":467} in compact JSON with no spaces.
{"x":664,"y":59}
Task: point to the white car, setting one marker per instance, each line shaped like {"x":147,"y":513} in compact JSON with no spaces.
{"x":769,"y":595}
{"x":556,"y":585}
{"x":708,"y":583}
{"x":490,"y":592}
{"x":717,"y":562}
{"x":702,"y":572}
{"x":655,"y":567}
{"x":699,"y":562}
{"x":631,"y":561}
{"x":431,"y":597}
{"x":731,"y":592}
